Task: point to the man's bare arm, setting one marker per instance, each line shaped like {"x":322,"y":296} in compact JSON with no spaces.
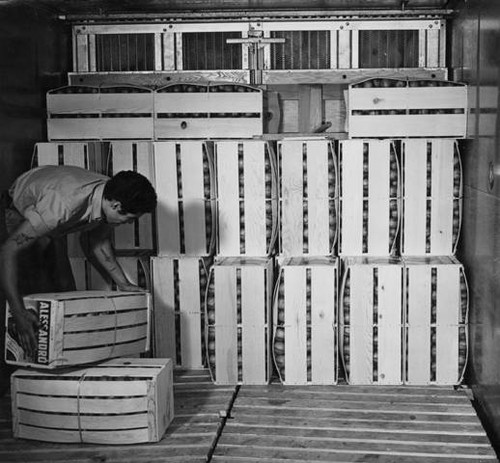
{"x":101,"y":254}
{"x":26,"y":323}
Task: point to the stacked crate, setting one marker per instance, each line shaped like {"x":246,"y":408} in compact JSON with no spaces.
{"x":305,"y":320}
{"x":243,"y":270}
{"x":431,"y":196}
{"x":305,"y":296}
{"x":371,"y":320}
{"x":369,"y":197}
{"x":184,"y":174}
{"x":407,"y":300}
{"x":238,"y":310}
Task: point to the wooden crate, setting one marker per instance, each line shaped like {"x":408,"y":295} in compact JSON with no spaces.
{"x":402,"y":108}
{"x":431,"y":197}
{"x":87,"y":155}
{"x":120,"y":401}
{"x":482,"y":103}
{"x":192,"y":110}
{"x":305,"y":320}
{"x":185,"y":184}
{"x":96,"y":113}
{"x":371,"y":317}
{"x":303,"y":202}
{"x":369,"y":197}
{"x":179,"y":286}
{"x":81,"y":327}
{"x":436,"y":338}
{"x":238,"y":314}
{"x":138,"y":157}
{"x":247,"y":218}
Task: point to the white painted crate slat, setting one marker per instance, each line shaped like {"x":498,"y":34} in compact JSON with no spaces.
{"x":238,"y":307}
{"x":369,"y":197}
{"x":305,"y":321}
{"x":432,"y":197}
{"x":397,"y":108}
{"x":80,"y":113}
{"x":185,"y":185}
{"x":372,"y":320}
{"x":304,"y":202}
{"x":179,"y":286}
{"x":138,"y":157}
{"x":208,"y":111}
{"x":246,"y":198}
{"x":63,"y":314}
{"x":437,"y":317}
{"x":88,"y":155}
{"x":120,"y":401}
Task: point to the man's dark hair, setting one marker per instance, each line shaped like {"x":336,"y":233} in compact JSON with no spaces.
{"x":133,"y":190}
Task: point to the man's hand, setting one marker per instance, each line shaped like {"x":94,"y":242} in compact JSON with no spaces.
{"x":129,"y":287}
{"x":26,"y":323}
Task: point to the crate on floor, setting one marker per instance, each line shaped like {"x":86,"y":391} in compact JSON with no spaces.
{"x":222,"y":110}
{"x":179,"y":287}
{"x":138,"y":157}
{"x":369,"y":197}
{"x":371,"y":320}
{"x":308,"y":194}
{"x":185,"y":184}
{"x":87,"y":155}
{"x":305,"y":320}
{"x":431,"y":197}
{"x":99,"y":113}
{"x":238,"y":314}
{"x":81,"y":327}
{"x":120,"y":401}
{"x":247,"y":218}
{"x":436,"y":336}
{"x":406,"y":108}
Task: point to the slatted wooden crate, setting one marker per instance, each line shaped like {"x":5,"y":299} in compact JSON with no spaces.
{"x":482,"y":103}
{"x":371,"y":317}
{"x":87,"y":155}
{"x":247,"y":219}
{"x":238,"y":314}
{"x":88,"y":278}
{"x":308,"y":209}
{"x":401,"y":108}
{"x":121,"y":401}
{"x":305,"y":320}
{"x":431,"y":197}
{"x":84,"y":112}
{"x":179,"y":287}
{"x":185,"y":184}
{"x":369,"y":197}
{"x":138,"y":157}
{"x":436,"y":320}
{"x":223,"y":110}
{"x":81,"y":327}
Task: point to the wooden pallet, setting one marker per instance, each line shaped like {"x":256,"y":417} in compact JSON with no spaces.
{"x":198,"y":407}
{"x":353,"y":423}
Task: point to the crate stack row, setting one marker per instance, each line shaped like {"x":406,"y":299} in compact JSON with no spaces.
{"x":403,"y":305}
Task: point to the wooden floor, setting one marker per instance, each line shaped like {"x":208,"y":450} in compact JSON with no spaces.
{"x":277,"y":423}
